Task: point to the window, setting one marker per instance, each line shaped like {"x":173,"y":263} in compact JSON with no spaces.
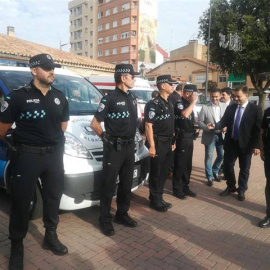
{"x":133,"y":33}
{"x":125,"y":35}
{"x":125,"y":62}
{"x":115,"y":24}
{"x":86,"y":5}
{"x":125,"y":21}
{"x":86,"y":30}
{"x":77,"y":46}
{"x":91,"y":45}
{"x":100,"y":40}
{"x":107,"y":1}
{"x":86,"y":42}
{"x":86,"y":18}
{"x":107,"y":13}
{"x":91,"y":21}
{"x":100,"y":28}
{"x":100,"y":15}
{"x":91,"y":8}
{"x":200,"y":78}
{"x":107,"y":39}
{"x":100,"y":53}
{"x":115,"y":10}
{"x":107,"y":52}
{"x":78,"y":10}
{"x":100,"y":1}
{"x":114,"y":38}
{"x":107,"y":26}
{"x":114,"y":51}
{"x":78,"y":34}
{"x":91,"y":33}
{"x":78,"y":23}
{"x":125,"y":6}
{"x":222,"y":78}
{"x":86,"y":53}
{"x":125,"y":49}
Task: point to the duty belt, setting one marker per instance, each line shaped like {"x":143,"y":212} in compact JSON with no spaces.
{"x":122,"y":141}
{"x":36,"y":149}
{"x":162,"y":138}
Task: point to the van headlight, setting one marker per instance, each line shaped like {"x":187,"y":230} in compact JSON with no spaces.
{"x":139,"y":139}
{"x":73,"y":147}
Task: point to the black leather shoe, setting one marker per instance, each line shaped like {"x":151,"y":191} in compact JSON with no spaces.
{"x":160,"y":207}
{"x":52,"y":243}
{"x":227,"y":191}
{"x":106,"y":228}
{"x":189,"y":192}
{"x":241,"y":196}
{"x":16,"y":255}
{"x":216,"y":177}
{"x":126,"y":221}
{"x":180,"y":195}
{"x":168,"y":205}
{"x":265,"y":223}
{"x":210,"y":182}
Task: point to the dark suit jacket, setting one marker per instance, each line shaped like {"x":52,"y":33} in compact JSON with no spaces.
{"x":249,"y":129}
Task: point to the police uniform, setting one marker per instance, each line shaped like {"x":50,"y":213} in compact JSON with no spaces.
{"x":184,"y":148}
{"x":266,"y":127}
{"x":160,"y":113}
{"x":38,"y":144}
{"x":118,"y":110}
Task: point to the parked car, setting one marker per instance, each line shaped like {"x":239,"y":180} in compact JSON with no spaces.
{"x":83,"y":148}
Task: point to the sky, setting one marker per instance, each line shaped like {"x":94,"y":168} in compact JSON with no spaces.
{"x":47,"y":21}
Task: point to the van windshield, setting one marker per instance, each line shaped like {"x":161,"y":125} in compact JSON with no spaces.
{"x":82,"y":96}
{"x":143,"y":96}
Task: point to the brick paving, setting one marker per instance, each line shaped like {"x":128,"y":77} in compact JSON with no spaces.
{"x":206,"y":232}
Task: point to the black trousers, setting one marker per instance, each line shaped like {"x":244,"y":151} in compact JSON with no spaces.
{"x":232,"y":151}
{"x":182,"y":163}
{"x":267,"y":187}
{"x":116,"y":163}
{"x":26,"y":169}
{"x":159,"y":166}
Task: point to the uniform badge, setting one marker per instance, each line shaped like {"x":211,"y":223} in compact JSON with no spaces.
{"x":4,"y":106}
{"x":57,"y":101}
{"x":151,"y":115}
{"x":101,"y":107}
{"x":180,"y":106}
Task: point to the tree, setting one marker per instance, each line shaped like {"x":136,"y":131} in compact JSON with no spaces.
{"x":250,"y":20}
{"x":211,"y":84}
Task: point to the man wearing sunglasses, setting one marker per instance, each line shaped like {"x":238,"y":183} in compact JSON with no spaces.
{"x":118,"y":110}
{"x":40,"y":113}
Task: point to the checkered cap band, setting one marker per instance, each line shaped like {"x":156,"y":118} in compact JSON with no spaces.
{"x":163,"y":81}
{"x":123,"y":70}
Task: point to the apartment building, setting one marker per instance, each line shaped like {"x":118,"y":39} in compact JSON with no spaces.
{"x":114,"y":31}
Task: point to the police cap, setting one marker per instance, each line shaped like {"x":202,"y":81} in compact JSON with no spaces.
{"x":43,"y":60}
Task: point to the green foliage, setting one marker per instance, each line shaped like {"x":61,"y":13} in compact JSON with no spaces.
{"x":153,"y":56}
{"x":141,"y":55}
{"x":211,"y":84}
{"x":250,"y":19}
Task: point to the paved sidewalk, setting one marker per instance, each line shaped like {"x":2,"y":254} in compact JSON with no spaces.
{"x":206,"y":232}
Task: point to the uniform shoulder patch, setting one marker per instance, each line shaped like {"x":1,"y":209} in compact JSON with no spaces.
{"x":151,"y":114}
{"x":101,"y":107}
{"x":180,"y":106}
{"x":4,"y":106}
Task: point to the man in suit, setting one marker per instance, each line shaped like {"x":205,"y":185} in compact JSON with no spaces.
{"x":212,"y":113}
{"x":226,"y":96}
{"x":243,"y":122}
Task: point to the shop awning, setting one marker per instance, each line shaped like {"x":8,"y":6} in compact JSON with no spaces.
{"x":234,"y":78}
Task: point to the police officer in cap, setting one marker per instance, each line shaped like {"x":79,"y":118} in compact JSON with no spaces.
{"x":40,"y":113}
{"x":265,"y":156}
{"x":118,"y":110}
{"x":159,"y":127}
{"x":184,"y":124}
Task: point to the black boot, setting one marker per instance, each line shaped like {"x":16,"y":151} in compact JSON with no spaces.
{"x":16,"y":255}
{"x":52,"y":243}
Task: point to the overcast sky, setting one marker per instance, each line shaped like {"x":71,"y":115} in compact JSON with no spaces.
{"x":47,"y":21}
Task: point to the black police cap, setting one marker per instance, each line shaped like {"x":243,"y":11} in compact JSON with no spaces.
{"x":125,"y":68}
{"x":43,"y":60}
{"x":165,"y":79}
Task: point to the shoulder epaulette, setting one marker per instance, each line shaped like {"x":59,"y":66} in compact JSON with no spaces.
{"x":25,"y":87}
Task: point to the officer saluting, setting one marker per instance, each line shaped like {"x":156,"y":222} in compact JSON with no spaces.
{"x":159,"y":127}
{"x":118,"y":110}
{"x":40,"y":113}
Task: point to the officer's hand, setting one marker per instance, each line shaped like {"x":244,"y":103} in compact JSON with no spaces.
{"x":256,"y":152}
{"x":194,"y":97}
{"x":211,"y":126}
{"x":173,"y":146}
{"x":262,"y":155}
{"x":152,"y":151}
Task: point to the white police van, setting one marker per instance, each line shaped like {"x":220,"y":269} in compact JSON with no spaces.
{"x":83,"y":148}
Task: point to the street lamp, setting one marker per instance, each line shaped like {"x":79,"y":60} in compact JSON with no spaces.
{"x":208,"y":49}
{"x":142,"y":69}
{"x":62,"y":45}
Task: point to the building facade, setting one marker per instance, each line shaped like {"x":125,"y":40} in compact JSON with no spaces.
{"x":114,"y":31}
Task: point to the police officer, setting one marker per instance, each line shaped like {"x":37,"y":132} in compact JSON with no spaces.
{"x":118,"y":110}
{"x":40,"y":113}
{"x":265,"y":156}
{"x":184,"y":124}
{"x":159,"y":127}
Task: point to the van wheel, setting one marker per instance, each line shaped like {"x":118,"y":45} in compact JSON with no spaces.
{"x":36,"y":206}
